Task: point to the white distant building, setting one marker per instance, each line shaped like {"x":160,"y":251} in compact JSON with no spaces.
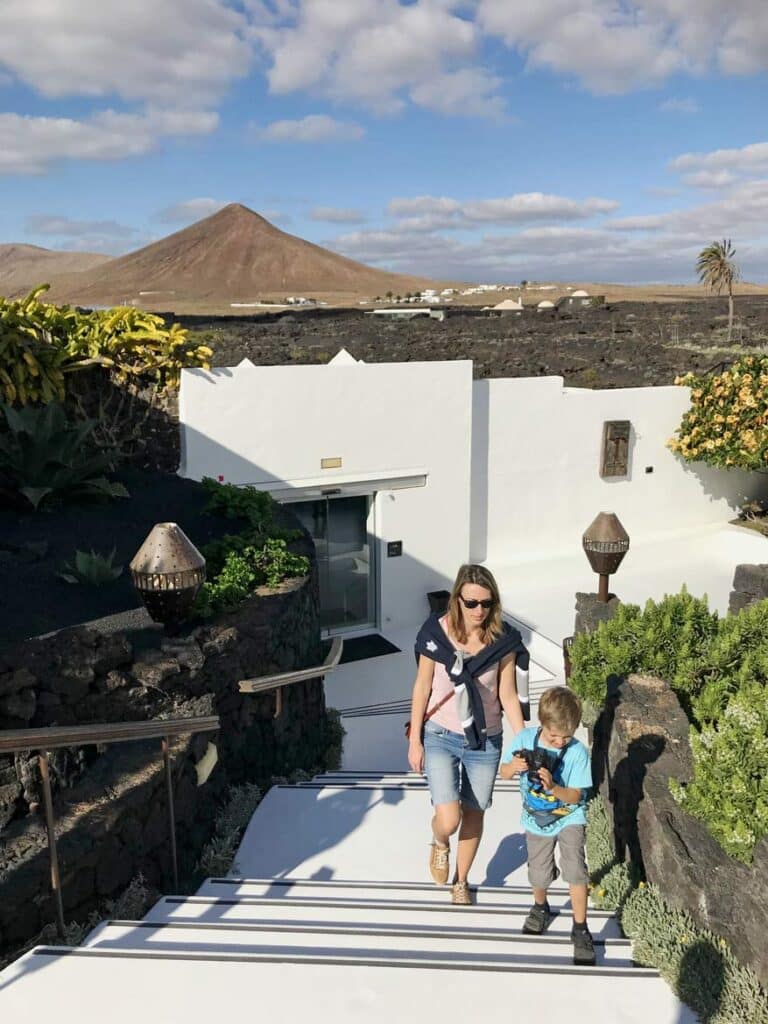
{"x":545,"y":304}
{"x":508,"y":306}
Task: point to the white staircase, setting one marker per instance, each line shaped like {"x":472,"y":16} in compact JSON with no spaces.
{"x":329,"y":912}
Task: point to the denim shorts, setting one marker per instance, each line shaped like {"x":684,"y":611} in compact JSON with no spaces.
{"x":455,"y":772}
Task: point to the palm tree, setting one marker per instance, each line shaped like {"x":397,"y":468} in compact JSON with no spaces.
{"x":717,"y":270}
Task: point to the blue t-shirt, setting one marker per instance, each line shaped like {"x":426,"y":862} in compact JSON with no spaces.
{"x":574,"y":771}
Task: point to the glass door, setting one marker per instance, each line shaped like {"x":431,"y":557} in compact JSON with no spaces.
{"x":339,"y":528}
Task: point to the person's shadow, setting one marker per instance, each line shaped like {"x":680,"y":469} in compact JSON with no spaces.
{"x":700,"y":982}
{"x":510,"y":855}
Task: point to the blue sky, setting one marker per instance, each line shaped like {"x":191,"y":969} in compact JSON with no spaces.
{"x":486,"y":140}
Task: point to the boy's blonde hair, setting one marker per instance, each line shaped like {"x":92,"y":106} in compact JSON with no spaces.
{"x":560,"y":708}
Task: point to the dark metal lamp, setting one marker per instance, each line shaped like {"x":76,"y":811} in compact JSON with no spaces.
{"x":168,"y":572}
{"x":605,"y":543}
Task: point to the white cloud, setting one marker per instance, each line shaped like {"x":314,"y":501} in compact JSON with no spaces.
{"x":429,"y":213}
{"x":650,"y":247}
{"x":169,"y":52}
{"x":34,"y":143}
{"x":709,"y":179}
{"x":63,"y":227}
{"x":680,"y":105}
{"x":614,"y":47}
{"x":337,"y":215}
{"x":468,"y":92}
{"x":377,"y":53}
{"x":312,"y":128}
{"x":189,"y":210}
{"x":750,"y":159}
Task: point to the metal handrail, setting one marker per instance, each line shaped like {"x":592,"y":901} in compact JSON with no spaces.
{"x":280,"y":679}
{"x":15,"y":741}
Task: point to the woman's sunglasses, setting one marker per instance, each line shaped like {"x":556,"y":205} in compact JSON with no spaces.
{"x":471,"y":602}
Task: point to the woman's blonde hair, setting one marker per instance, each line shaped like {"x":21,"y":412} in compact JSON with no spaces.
{"x":492,"y":627}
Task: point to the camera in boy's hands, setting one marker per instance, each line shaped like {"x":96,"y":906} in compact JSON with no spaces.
{"x":536,"y":759}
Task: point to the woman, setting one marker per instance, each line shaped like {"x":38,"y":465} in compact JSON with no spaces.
{"x":466,"y":675}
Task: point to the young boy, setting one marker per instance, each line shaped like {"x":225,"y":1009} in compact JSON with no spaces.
{"x":554,"y":813}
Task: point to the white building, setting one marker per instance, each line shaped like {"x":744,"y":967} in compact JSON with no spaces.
{"x":401,"y":472}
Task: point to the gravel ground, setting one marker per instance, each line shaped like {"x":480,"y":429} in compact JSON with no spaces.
{"x":621,"y":345}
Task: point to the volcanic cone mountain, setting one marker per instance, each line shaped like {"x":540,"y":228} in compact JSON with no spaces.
{"x":23,"y":267}
{"x":234,"y":255}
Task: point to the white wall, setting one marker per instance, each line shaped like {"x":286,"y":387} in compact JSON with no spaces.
{"x":536,"y":468}
{"x":270,"y":426}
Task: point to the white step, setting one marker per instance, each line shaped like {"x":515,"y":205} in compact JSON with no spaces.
{"x":358,"y":833}
{"x":511,"y":950}
{"x":74,"y":987}
{"x":364,"y":893}
{"x":296,"y":913}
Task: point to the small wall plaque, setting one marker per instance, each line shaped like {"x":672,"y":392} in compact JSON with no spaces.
{"x":394,"y":548}
{"x":615,"y":450}
{"x":330,"y":463}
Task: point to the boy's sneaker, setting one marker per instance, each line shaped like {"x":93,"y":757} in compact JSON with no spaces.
{"x":438,"y":862}
{"x":583,"y":947}
{"x":538,"y":920}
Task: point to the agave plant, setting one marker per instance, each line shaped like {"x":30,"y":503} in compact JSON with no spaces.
{"x":91,"y":567}
{"x":43,"y":456}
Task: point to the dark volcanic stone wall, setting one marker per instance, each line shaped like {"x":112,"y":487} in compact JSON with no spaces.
{"x":110,"y":805}
{"x":750,"y":585}
{"x":640,"y":742}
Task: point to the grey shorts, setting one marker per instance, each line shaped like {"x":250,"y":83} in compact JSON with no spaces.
{"x":542,"y":870}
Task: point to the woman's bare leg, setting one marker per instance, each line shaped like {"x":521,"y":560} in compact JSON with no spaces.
{"x":470,"y":835}
{"x":445,"y":821}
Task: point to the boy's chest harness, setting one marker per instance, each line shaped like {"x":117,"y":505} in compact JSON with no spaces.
{"x":543,"y":807}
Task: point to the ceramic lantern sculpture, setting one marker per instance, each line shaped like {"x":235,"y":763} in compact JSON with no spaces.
{"x":168,"y":572}
{"x":605,"y":543}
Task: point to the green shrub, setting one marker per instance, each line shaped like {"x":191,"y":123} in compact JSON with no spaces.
{"x":668,"y":639}
{"x":244,"y":571}
{"x":698,"y":965}
{"x":718,"y":668}
{"x":254,"y":508}
{"x":729,"y":791}
{"x":43,"y":457}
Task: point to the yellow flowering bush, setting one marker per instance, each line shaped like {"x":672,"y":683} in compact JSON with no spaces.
{"x":727,"y":423}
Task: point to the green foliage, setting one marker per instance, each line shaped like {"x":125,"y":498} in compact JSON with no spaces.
{"x":34,"y":348}
{"x":697,"y":964}
{"x":611,"y":882}
{"x":667,"y":639}
{"x":251,"y":506}
{"x":233,"y":502}
{"x":231,"y":822}
{"x":137,"y":345}
{"x":43,"y":457}
{"x":730,"y":787}
{"x":244,"y":571}
{"x":718,"y":668}
{"x":91,"y":568}
{"x":727,"y":422}
{"x":40,"y":343}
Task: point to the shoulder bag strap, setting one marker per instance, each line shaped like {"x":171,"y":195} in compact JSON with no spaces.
{"x":439,"y":704}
